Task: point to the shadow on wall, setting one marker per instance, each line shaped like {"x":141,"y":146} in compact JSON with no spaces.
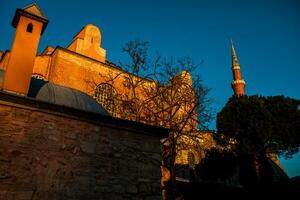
{"x":47,"y":155}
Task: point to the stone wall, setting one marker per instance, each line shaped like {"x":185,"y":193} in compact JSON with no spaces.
{"x":52,"y":152}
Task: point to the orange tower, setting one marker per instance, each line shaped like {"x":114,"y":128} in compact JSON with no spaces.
{"x":238,"y":84}
{"x":30,"y":23}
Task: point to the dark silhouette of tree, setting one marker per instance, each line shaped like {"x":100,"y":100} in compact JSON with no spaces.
{"x":258,"y":128}
{"x":217,"y":166}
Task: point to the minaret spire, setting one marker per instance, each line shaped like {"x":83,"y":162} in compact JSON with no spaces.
{"x":238,"y":84}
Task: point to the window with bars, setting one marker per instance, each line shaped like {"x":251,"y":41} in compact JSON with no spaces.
{"x":105,"y":95}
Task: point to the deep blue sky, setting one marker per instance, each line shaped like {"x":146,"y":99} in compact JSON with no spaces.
{"x":266,"y":36}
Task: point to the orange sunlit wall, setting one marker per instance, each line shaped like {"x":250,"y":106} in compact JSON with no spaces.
{"x":22,"y":56}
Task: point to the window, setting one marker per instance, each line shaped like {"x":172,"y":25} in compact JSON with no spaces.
{"x":191,"y":159}
{"x":29,"y":28}
{"x":105,"y":95}
{"x":92,"y":40}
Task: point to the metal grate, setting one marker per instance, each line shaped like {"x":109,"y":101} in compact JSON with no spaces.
{"x":105,"y":95}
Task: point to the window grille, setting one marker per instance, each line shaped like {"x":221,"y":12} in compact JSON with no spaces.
{"x":105,"y":95}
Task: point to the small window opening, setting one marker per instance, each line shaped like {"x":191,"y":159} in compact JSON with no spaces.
{"x":92,"y":40}
{"x":29,"y":28}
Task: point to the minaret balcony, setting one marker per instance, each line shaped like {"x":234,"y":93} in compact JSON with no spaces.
{"x":238,"y":82}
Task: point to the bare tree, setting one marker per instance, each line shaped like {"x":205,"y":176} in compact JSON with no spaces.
{"x":161,"y":92}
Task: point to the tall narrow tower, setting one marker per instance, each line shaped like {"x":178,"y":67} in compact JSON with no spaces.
{"x":30,"y":23}
{"x":238,"y":84}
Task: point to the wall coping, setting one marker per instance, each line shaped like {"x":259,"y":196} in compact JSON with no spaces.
{"x":94,"y":118}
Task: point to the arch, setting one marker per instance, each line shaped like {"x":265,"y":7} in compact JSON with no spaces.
{"x":29,"y":28}
{"x":39,"y":76}
{"x":105,"y":95}
{"x":94,"y":34}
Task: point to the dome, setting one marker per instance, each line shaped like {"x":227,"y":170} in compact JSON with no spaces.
{"x":69,"y":97}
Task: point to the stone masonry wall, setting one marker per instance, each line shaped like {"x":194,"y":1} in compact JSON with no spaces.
{"x":48,"y":155}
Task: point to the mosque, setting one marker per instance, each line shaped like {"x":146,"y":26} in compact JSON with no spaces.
{"x":62,"y":130}
{"x":70,"y":76}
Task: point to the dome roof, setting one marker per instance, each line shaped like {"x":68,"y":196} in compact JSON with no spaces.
{"x":69,"y":97}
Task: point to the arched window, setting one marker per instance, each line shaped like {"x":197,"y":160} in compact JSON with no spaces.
{"x":92,"y":40}
{"x":29,"y":28}
{"x":105,"y":95}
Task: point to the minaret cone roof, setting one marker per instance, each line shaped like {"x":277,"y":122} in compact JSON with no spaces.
{"x":235,"y":62}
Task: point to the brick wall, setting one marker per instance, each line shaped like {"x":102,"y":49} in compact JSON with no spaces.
{"x":52,"y":152}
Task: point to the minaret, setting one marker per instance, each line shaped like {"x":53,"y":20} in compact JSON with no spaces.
{"x":238,"y":84}
{"x":30,"y":23}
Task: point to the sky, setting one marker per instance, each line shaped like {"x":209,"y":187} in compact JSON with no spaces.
{"x":265,"y":35}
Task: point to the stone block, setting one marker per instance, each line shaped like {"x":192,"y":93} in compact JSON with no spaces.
{"x":24,"y":195}
{"x":131,"y":189}
{"x":144,"y":188}
{"x":88,"y":147}
{"x":118,"y":188}
{"x":158,"y":197}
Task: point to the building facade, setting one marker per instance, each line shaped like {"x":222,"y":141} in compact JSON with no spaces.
{"x":83,"y":66}
{"x":75,"y":103}
{"x":58,"y":138}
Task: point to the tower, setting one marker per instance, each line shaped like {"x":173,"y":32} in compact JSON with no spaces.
{"x":238,"y":84}
{"x":30,"y":24}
